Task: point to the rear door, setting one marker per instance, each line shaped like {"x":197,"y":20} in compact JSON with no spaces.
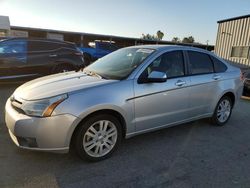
{"x":203,"y":83}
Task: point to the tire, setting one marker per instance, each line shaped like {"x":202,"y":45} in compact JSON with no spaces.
{"x":62,"y":68}
{"x":222,"y":112}
{"x":98,"y":137}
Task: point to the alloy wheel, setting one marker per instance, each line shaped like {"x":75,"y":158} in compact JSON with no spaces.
{"x":223,"y":111}
{"x":100,"y":138}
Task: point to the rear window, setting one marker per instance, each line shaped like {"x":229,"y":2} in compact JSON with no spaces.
{"x":218,"y":65}
{"x":199,"y":63}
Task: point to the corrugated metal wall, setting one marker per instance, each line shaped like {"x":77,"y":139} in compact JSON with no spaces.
{"x":233,"y":33}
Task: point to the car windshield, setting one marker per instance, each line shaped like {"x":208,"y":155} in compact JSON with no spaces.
{"x":119,"y":64}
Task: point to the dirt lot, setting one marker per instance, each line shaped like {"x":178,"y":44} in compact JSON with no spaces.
{"x":191,"y":155}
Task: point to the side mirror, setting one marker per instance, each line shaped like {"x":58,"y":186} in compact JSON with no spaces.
{"x":154,"y":77}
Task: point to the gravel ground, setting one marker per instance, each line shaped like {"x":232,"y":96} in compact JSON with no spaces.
{"x":191,"y":155}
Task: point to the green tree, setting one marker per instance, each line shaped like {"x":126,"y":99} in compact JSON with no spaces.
{"x":149,"y":37}
{"x":189,"y":39}
{"x":160,"y":35}
{"x":176,"y":39}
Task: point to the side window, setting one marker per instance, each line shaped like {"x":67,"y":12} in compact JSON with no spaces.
{"x":113,"y":47}
{"x":104,"y":46}
{"x":107,"y":46}
{"x":199,"y":63}
{"x":39,"y":46}
{"x":218,"y":65}
{"x":13,"y":47}
{"x":171,"y":63}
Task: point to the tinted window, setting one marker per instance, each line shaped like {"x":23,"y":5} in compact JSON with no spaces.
{"x":171,"y":63}
{"x":113,"y":47}
{"x":13,"y":46}
{"x":218,"y":65}
{"x":107,"y":46}
{"x":199,"y":63}
{"x":43,"y":46}
{"x":104,"y":46}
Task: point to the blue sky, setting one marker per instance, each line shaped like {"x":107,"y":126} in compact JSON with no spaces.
{"x":127,"y":17}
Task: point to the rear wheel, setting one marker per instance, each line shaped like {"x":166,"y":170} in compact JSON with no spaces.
{"x":222,"y":111}
{"x":98,"y":137}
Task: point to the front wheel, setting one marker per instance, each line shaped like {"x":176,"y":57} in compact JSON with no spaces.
{"x":222,"y":111}
{"x":98,"y":137}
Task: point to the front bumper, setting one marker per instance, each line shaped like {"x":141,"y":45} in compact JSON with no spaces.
{"x":42,"y":134}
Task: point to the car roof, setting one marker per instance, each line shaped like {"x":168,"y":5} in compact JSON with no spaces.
{"x":31,"y":38}
{"x":170,"y":47}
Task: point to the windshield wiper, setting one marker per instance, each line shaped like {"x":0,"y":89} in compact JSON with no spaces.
{"x":91,"y":73}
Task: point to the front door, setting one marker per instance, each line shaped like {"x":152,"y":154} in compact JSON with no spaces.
{"x":162,"y":104}
{"x":13,"y":60}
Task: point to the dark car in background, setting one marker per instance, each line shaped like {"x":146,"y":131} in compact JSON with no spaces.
{"x":246,"y":89}
{"x":23,"y":59}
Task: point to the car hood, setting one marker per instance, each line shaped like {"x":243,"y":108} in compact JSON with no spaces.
{"x":57,"y":84}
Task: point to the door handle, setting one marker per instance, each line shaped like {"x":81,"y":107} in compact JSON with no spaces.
{"x":180,"y":83}
{"x":53,"y":55}
{"x":216,"y":77}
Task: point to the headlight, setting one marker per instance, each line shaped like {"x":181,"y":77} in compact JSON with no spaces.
{"x":43,"y":107}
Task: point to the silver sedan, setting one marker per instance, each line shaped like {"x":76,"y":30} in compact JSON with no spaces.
{"x":131,"y":91}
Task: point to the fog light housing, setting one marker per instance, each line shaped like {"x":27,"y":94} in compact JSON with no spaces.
{"x":27,"y":142}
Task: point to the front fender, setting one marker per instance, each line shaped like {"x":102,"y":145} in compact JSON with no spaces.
{"x":111,"y":96}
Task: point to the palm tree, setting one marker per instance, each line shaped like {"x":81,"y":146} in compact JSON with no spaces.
{"x":160,"y":35}
{"x":176,"y":39}
{"x":189,"y":39}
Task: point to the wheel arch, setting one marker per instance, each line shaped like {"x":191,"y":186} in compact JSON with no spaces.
{"x":231,"y":95}
{"x":215,"y":120}
{"x":112,"y":112}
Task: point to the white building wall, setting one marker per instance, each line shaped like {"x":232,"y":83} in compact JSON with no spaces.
{"x":233,"y":33}
{"x":4,"y":26}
